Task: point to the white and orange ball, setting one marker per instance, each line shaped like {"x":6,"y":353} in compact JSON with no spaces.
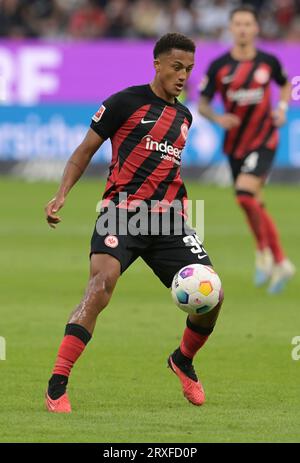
{"x":196,"y":289}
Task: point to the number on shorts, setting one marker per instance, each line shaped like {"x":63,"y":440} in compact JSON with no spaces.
{"x":250,"y":162}
{"x":196,"y":245}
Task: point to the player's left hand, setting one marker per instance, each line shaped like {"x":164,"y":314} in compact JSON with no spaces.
{"x":279,"y":117}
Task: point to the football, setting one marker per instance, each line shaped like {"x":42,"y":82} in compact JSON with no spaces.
{"x":196,"y":289}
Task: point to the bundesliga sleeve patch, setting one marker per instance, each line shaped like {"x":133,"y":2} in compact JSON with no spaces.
{"x":97,"y":116}
{"x":184,"y":130}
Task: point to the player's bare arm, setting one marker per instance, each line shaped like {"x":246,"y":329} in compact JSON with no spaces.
{"x":279,"y":114}
{"x":227,"y":121}
{"x":74,"y":169}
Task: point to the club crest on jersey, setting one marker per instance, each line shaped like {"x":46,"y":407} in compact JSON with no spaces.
{"x":261,"y":76}
{"x":111,"y":241}
{"x":97,"y":116}
{"x":184,"y":130}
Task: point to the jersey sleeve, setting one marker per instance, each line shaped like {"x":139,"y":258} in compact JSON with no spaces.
{"x":109,"y":117}
{"x":189,"y":117}
{"x":208,"y":85}
{"x":278,"y":72}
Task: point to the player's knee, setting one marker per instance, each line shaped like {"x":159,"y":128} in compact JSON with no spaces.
{"x":218,"y":306}
{"x":244,"y":198}
{"x":215,"y":311}
{"x":101,"y":287}
{"x":221,"y":299}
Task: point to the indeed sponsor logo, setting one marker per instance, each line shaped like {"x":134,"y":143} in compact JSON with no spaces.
{"x":246,"y":96}
{"x":165,"y":148}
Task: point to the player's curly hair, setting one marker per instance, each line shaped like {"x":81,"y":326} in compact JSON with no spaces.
{"x":173,"y":40}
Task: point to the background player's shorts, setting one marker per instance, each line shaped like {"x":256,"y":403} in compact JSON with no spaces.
{"x":258,"y":163}
{"x":165,"y":254}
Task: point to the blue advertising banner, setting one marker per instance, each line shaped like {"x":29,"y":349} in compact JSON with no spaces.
{"x":52,"y":132}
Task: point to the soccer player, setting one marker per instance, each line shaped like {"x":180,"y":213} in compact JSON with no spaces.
{"x":243,"y":76}
{"x":147,"y":127}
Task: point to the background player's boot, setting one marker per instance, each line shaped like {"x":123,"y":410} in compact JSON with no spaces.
{"x":281,"y":274}
{"x":61,"y":405}
{"x":191,"y":386}
{"x":263,"y":266}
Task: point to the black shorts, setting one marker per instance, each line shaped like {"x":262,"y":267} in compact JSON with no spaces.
{"x":165,"y":254}
{"x":258,"y":163}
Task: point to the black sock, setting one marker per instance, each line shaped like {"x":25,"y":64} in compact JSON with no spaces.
{"x":184,"y":364}
{"x":57,"y":386}
{"x":179,"y":358}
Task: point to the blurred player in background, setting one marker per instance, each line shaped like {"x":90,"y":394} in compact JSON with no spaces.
{"x":144,"y":123}
{"x":242,"y":76}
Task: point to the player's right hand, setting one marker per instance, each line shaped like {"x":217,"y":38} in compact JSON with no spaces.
{"x":228,"y":121}
{"x":53,"y":206}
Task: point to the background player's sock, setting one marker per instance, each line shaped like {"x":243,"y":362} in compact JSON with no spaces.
{"x":75,"y":339}
{"x":252,"y":209}
{"x":272,"y":236}
{"x":194,"y":337}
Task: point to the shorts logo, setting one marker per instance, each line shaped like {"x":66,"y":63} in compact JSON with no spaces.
{"x":96,"y":117}
{"x":111,"y":241}
{"x":261,"y":76}
{"x":184,"y":131}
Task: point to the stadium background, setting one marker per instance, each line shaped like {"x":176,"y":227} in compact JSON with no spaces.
{"x":58,"y":60}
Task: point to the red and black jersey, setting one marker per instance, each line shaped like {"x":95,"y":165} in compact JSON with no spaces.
{"x":245,"y":90}
{"x":147,"y":135}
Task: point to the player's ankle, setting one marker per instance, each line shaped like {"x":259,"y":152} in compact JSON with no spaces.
{"x":57,"y":386}
{"x":179,"y":358}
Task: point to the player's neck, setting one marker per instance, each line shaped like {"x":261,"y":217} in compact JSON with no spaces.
{"x":243,"y":53}
{"x":160,"y":92}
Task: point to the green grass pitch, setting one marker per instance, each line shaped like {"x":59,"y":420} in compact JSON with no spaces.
{"x":120,"y":389}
